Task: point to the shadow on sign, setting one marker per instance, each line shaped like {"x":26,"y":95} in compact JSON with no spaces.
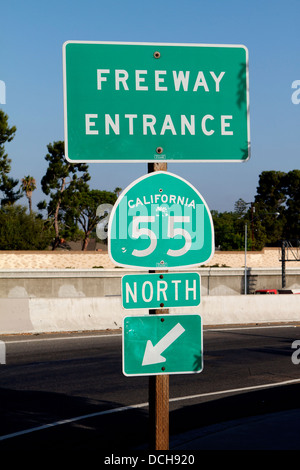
{"x":198,"y":361}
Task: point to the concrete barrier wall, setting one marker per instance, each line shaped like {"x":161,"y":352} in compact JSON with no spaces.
{"x":39,"y":315}
{"x":76,"y":283}
{"x":70,"y":300}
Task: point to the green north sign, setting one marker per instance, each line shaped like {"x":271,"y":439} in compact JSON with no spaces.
{"x":163,"y":290}
{"x":162,"y":344}
{"x":160,"y":222}
{"x":147,"y":102}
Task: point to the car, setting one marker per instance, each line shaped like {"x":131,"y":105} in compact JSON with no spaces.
{"x":266,"y":291}
{"x":276,"y":291}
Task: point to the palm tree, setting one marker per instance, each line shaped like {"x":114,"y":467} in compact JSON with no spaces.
{"x":28,"y":185}
{"x":117,"y":191}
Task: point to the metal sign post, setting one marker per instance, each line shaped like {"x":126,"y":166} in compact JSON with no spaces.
{"x":159,"y":412}
{"x":158,"y":384}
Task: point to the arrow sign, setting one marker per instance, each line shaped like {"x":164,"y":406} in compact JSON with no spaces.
{"x":153,"y":353}
{"x":155,"y":344}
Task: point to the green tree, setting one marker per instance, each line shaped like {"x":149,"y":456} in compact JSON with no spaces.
{"x":272,"y":217}
{"x":229,"y":230}
{"x":28,"y":185}
{"x":61,"y":183}
{"x":7,"y":183}
{"x":240,"y":207}
{"x":291,"y":188}
{"x":269,"y":219}
{"x":22,"y":231}
{"x":84,"y":210}
{"x":117,"y":191}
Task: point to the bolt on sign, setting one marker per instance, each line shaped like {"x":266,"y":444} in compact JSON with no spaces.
{"x":162,"y":344}
{"x":147,"y":102}
{"x":160,"y":290}
{"x":160,"y":221}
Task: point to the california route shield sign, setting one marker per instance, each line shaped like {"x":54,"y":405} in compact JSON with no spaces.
{"x":160,"y":222}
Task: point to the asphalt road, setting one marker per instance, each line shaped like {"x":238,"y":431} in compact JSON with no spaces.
{"x":67,"y":391}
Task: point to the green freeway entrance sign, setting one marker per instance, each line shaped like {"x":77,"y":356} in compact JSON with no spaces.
{"x":160,"y":290}
{"x":147,"y":101}
{"x":162,"y":344}
{"x":160,"y":222}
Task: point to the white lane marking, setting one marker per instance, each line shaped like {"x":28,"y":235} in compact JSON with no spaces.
{"x":34,"y":340}
{"x":71,"y":420}
{"x":261,"y":327}
{"x":243,"y":389}
{"x":141,"y":405}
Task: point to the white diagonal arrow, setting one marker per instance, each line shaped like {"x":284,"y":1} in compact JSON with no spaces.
{"x":152,"y":353}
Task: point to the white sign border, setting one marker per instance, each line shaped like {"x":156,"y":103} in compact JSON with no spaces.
{"x":150,"y":306}
{"x":170,"y":160}
{"x":162,"y":373}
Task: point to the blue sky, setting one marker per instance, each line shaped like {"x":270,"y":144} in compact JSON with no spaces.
{"x":32,"y":35}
